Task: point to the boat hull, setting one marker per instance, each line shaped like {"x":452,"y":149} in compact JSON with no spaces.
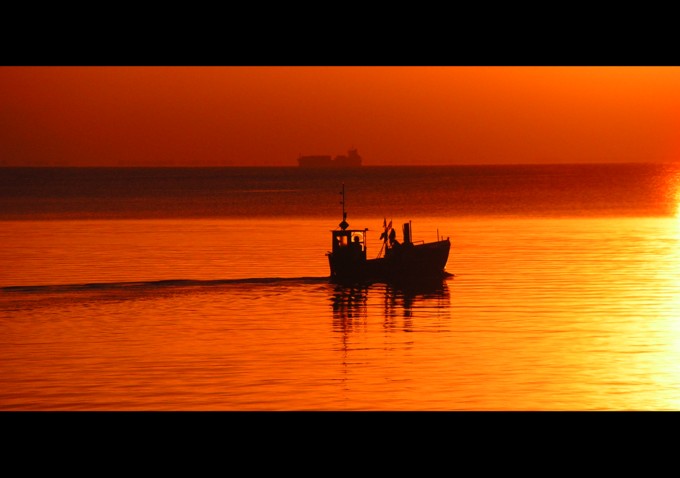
{"x":407,"y":263}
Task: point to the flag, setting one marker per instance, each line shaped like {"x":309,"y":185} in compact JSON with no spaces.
{"x":383,"y":236}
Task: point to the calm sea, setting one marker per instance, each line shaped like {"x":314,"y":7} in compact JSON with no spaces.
{"x":207,"y":289}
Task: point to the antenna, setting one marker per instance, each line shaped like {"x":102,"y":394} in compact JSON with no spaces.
{"x":343,"y":225}
{"x":344,"y":214}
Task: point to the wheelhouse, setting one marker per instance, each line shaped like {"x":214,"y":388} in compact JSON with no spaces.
{"x":349,"y":241}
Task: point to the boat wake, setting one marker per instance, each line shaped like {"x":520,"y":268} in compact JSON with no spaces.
{"x":157,"y":284}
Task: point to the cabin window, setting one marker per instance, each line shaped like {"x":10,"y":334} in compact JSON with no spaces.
{"x":353,"y":240}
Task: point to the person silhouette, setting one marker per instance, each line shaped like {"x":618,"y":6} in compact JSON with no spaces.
{"x":393,"y":238}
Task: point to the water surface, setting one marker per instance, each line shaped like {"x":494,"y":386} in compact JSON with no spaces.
{"x":126,"y":290}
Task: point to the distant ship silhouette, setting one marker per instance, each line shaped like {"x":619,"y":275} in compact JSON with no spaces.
{"x":351,"y":160}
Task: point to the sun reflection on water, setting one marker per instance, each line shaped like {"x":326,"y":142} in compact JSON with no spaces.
{"x":658,"y":326}
{"x":672,"y":186}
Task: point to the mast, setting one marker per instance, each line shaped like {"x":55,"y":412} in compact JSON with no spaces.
{"x":343,"y":225}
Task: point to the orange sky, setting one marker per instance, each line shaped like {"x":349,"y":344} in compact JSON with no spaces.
{"x":267,"y":116}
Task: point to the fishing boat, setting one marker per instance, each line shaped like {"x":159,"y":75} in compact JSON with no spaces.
{"x":407,"y":261}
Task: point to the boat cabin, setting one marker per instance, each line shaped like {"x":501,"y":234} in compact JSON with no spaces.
{"x":349,"y":242}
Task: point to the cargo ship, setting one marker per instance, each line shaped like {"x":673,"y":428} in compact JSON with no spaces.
{"x":351,"y":160}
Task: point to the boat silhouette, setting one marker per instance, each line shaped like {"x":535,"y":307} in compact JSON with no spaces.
{"x":405,"y":262}
{"x":351,"y":160}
